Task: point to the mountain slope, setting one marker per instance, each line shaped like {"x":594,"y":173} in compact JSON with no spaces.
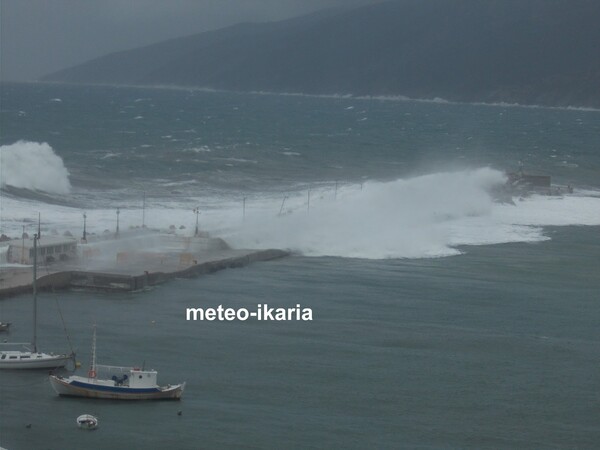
{"x":525,"y":51}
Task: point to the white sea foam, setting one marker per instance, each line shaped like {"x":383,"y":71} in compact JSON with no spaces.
{"x":401,"y":219}
{"x":110,"y":155}
{"x":240,"y":160}
{"x":180,"y":183}
{"x":434,"y":215}
{"x":394,"y":98}
{"x":34,"y":166}
{"x":439,"y":100}
{"x":201,"y":149}
{"x":427,"y":216}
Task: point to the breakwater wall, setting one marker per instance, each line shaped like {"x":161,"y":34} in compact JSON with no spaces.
{"x":121,"y":282}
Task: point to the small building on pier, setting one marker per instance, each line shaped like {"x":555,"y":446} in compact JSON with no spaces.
{"x":49,"y":249}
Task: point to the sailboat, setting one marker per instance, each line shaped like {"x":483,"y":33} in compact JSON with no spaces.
{"x":33,"y":358}
{"x":115,"y":383}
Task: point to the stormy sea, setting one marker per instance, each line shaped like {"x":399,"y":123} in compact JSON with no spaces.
{"x":442,"y":315}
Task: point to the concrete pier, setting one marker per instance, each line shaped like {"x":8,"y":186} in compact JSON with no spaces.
{"x":120,"y":266}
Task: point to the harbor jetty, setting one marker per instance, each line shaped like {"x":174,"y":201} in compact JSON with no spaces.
{"x":132,"y":261}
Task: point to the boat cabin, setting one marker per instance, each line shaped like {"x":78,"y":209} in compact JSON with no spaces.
{"x":142,"y":378}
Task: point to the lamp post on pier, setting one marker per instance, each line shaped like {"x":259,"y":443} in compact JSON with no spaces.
{"x":84,"y":238}
{"x":118,"y":212}
{"x":23,"y":246}
{"x":144,"y":211}
{"x":197,"y":212}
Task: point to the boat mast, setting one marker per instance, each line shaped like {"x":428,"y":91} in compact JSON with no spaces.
{"x":34,"y":343}
{"x":92,"y":371}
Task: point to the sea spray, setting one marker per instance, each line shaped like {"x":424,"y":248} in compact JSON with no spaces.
{"x":33,"y":166}
{"x":405,"y":218}
{"x":432,"y":215}
{"x":426,"y":216}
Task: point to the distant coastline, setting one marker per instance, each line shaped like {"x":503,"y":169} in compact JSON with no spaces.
{"x":534,"y":52}
{"x":385,"y":98}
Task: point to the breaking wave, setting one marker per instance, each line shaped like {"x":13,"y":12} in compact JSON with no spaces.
{"x":33,"y":166}
{"x":426,"y":216}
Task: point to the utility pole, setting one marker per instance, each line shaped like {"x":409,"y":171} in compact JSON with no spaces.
{"x":118,"y":212}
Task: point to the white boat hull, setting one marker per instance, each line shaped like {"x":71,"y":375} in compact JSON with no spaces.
{"x":82,"y":387}
{"x":28,"y":360}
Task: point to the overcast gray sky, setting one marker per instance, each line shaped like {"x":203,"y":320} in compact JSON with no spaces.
{"x":38,"y":37}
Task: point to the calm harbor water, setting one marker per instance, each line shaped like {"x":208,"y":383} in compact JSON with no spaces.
{"x":441,"y":319}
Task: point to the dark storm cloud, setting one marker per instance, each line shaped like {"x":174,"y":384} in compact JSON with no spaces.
{"x":41,"y":36}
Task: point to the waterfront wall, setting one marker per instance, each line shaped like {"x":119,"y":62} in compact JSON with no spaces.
{"x":115,"y":282}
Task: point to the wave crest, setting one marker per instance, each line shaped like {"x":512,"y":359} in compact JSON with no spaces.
{"x":425,"y":216}
{"x":33,"y":166}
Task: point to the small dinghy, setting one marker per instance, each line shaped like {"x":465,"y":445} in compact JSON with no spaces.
{"x":87,"y":422}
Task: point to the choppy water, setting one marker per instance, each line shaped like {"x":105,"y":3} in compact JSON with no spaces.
{"x":442,"y":319}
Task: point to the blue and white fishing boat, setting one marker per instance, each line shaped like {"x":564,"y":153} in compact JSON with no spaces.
{"x":115,"y":383}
